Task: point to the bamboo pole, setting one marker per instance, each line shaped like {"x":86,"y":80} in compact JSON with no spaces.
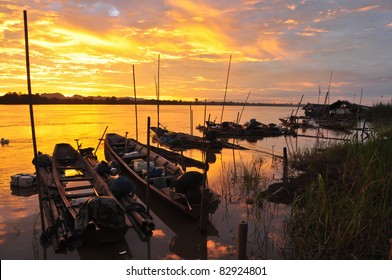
{"x":134,"y":94}
{"x":299,"y":104}
{"x":29,"y":84}
{"x":205,"y":114}
{"x":246,"y":100}
{"x":26,"y":35}
{"x":148,"y":167}
{"x":227,"y":82}
{"x":100,"y":140}
{"x":158,"y":89}
{"x":191,"y":119}
{"x":318,"y":100}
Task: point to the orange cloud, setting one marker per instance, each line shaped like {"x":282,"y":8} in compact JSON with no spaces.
{"x":368,"y":8}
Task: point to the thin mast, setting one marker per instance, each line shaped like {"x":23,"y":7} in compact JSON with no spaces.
{"x":239,"y":119}
{"x":227,"y":82}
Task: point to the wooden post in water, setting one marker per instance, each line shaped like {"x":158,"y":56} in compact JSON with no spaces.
{"x":191,"y":119}
{"x":242,"y":240}
{"x":285,"y":166}
{"x":148,"y":167}
{"x":26,"y":35}
{"x":158,"y":93}
{"x":205,"y":114}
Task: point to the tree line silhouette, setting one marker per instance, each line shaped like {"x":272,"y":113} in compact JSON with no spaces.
{"x":37,"y":98}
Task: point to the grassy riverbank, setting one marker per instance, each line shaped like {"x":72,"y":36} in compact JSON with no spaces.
{"x":345,"y":210}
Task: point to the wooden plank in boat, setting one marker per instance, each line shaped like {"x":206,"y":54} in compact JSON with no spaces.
{"x":71,"y":179}
{"x":80,"y":193}
{"x":69,"y":167}
{"x":73,"y":185}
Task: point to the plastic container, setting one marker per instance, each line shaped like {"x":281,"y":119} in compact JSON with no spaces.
{"x":131,"y":155}
{"x":142,"y":165}
{"x":23,"y":180}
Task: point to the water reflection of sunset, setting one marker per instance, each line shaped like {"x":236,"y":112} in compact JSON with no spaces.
{"x":158,"y":233}
{"x":216,"y":250}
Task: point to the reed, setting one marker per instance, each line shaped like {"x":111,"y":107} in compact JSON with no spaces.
{"x":243,"y":182}
{"x":380,"y":111}
{"x":346,"y":210}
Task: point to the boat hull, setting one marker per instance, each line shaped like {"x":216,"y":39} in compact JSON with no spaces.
{"x":120,"y":149}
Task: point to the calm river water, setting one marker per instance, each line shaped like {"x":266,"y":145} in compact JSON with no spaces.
{"x":173,"y":237}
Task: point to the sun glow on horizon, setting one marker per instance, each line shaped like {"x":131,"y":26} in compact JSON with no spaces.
{"x":275,"y":55}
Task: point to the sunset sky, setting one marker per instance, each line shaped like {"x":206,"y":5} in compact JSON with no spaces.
{"x":280,"y":50}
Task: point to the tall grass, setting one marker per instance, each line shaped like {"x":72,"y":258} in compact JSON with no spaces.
{"x":380,"y":111}
{"x":346,"y":210}
{"x":242,"y":183}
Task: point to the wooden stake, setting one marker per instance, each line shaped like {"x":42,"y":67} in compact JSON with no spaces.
{"x":242,"y":240}
{"x":158,"y":90}
{"x":191,"y":119}
{"x":285,"y":166}
{"x":148,"y":167}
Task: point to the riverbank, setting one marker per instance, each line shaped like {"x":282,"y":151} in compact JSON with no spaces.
{"x":344,"y":209}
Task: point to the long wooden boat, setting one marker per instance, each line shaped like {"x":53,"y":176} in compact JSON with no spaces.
{"x":166,"y":178}
{"x":183,"y":141}
{"x":88,"y":199}
{"x":136,"y":212}
{"x":252,"y":128}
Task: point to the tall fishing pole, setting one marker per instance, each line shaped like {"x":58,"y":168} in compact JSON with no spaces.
{"x":134,"y":94}
{"x":227,"y":82}
{"x":26,"y":35}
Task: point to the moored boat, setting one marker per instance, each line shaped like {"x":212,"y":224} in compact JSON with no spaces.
{"x":88,"y":199}
{"x":166,"y":180}
{"x":136,"y":212}
{"x":252,"y":128}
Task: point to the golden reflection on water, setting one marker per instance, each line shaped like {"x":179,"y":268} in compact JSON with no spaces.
{"x":217,"y":250}
{"x":65,"y":123}
{"x":158,"y":233}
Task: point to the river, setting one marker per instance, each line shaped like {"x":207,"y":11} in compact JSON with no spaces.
{"x":173,"y":238}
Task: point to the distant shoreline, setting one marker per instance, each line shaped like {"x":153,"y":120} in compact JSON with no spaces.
{"x":176,"y":104}
{"x":58,"y":98}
